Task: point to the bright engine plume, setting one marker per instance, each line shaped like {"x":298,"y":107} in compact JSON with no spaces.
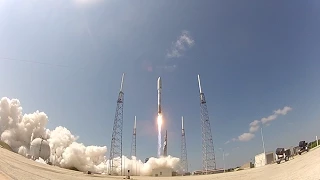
{"x":159,"y":119}
{"x":159,"y":122}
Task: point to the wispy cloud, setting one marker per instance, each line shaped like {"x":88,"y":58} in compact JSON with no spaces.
{"x":283,"y":111}
{"x":183,"y":42}
{"x":275,"y":114}
{"x":246,"y":137}
{"x":253,"y":129}
{"x":226,"y":154}
{"x":255,"y":125}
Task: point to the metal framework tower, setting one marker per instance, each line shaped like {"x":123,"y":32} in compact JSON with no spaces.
{"x":184,"y":159}
{"x":134,"y":139}
{"x":134,"y":144}
{"x":115,"y":159}
{"x":208,"y":156}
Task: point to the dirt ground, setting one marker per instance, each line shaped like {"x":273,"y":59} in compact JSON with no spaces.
{"x":304,"y":167}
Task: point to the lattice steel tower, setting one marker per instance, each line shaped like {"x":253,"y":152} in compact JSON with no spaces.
{"x":116,"y":139}
{"x":134,"y":139}
{"x":208,"y":156}
{"x":184,"y":159}
{"x":134,"y":146}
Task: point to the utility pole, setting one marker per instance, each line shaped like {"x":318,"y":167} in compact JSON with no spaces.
{"x":224,"y":164}
{"x":116,"y":139}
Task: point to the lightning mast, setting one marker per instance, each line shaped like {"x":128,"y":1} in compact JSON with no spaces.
{"x":184,"y":159}
{"x":116,"y":140}
{"x":134,"y":143}
{"x":134,"y":139}
{"x":208,"y":156}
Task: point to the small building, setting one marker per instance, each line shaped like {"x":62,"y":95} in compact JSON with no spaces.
{"x":162,"y":172}
{"x":247,"y":165}
{"x":264,"y":159}
{"x":270,"y":158}
{"x":260,"y":160}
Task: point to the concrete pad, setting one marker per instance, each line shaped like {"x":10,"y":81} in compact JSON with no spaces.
{"x":304,"y":167}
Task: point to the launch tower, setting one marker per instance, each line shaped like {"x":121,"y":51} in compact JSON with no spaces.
{"x":184,"y":159}
{"x":208,"y":156}
{"x":116,"y":139}
{"x":134,"y":139}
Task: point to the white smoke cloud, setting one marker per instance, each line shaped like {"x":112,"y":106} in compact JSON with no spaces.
{"x":19,"y":130}
{"x":40,"y":160}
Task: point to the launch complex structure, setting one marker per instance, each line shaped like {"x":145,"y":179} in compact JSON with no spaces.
{"x":116,"y":154}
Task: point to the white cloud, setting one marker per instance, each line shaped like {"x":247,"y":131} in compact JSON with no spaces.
{"x":254,"y":123}
{"x":275,"y":114}
{"x":269,"y":118}
{"x":226,"y":154}
{"x":246,"y":137}
{"x":183,"y":42}
{"x":283,"y":111}
{"x":227,"y":142}
{"x":254,"y":129}
{"x":254,"y":126}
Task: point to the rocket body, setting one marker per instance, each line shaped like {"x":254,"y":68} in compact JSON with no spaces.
{"x":159,"y":88}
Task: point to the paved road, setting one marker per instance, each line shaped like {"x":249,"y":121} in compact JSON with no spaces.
{"x":304,"y":167}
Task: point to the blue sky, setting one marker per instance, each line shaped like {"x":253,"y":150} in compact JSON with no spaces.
{"x":66,"y":58}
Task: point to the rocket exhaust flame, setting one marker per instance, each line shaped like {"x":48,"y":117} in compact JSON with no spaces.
{"x":159,"y":122}
{"x":159,"y":119}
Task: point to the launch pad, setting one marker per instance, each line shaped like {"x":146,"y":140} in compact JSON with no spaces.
{"x":208,"y":157}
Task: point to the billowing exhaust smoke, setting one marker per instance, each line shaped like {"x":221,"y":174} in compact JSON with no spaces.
{"x":18,"y":131}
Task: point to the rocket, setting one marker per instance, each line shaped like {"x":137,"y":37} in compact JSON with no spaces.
{"x":159,"y":88}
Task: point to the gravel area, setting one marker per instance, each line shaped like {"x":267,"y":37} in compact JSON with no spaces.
{"x":304,"y":167}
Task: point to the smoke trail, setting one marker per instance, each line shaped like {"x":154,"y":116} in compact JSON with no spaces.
{"x":159,"y":133}
{"x":18,"y":130}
